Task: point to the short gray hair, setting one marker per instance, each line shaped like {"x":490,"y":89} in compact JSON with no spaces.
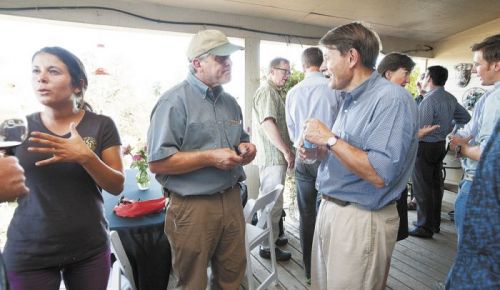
{"x":201,"y":57}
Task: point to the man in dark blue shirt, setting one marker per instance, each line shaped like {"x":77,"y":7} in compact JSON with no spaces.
{"x":438,"y":107}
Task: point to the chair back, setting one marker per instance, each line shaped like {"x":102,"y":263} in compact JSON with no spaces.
{"x":255,"y":235}
{"x":264,"y":203}
{"x":121,"y":258}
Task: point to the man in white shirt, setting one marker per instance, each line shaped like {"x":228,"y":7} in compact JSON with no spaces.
{"x":310,"y":98}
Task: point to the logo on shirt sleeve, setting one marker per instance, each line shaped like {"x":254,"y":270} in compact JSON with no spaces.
{"x":91,"y":142}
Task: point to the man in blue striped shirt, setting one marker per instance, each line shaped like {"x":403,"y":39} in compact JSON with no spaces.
{"x":368,"y":157}
{"x":438,"y":107}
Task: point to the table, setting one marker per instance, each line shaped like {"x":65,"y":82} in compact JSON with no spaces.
{"x":143,"y":237}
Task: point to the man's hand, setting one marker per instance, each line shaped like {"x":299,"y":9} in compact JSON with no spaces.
{"x":316,"y":132}
{"x":420,"y":89}
{"x":458,"y":140}
{"x":247,"y":152}
{"x":290,"y":159}
{"x":11,"y":179}
{"x":426,"y":130}
{"x":225,"y":158}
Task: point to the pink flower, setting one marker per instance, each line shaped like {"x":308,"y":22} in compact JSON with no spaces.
{"x":136,"y":157}
{"x":127,"y":149}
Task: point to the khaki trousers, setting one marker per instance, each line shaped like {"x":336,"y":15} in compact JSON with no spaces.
{"x":203,"y":229}
{"x":352,"y":247}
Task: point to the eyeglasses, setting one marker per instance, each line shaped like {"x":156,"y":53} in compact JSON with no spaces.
{"x":287,"y":71}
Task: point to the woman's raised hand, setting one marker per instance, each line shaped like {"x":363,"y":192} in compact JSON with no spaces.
{"x":72,"y":149}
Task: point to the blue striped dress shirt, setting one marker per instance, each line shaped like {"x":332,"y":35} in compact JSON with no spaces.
{"x":379,"y":118}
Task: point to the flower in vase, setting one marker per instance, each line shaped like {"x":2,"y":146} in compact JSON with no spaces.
{"x":139,"y":161}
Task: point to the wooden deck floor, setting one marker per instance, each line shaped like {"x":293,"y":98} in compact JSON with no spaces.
{"x":416,"y":263}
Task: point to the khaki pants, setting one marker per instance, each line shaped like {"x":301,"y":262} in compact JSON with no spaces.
{"x":352,"y":247}
{"x":203,"y":229}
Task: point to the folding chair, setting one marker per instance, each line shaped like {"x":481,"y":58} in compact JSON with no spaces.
{"x":122,"y":274}
{"x":255,"y":235}
{"x":117,"y":279}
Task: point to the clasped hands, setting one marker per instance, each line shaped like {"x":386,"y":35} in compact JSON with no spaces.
{"x":225,"y":158}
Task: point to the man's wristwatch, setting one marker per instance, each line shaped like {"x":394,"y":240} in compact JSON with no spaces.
{"x":331,"y":142}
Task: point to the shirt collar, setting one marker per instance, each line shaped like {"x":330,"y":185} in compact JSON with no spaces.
{"x":204,"y":89}
{"x":497,"y":85}
{"x":314,"y":74}
{"x":434,"y":90}
{"x":274,"y":86}
{"x":359,"y":90}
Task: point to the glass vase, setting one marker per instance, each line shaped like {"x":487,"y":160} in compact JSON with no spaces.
{"x":142,"y":179}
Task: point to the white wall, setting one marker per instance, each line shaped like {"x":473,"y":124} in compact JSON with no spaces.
{"x":456,"y":49}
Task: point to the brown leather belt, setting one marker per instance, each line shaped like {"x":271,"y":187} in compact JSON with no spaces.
{"x":335,"y":200}
{"x":167,"y":192}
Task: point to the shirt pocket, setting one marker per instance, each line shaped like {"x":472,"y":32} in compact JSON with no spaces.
{"x":201,"y":136}
{"x":233,"y":129}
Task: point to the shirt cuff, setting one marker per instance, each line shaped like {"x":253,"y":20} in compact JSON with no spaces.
{"x":162,"y":153}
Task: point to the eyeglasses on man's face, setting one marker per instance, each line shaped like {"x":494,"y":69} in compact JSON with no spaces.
{"x":286,"y":71}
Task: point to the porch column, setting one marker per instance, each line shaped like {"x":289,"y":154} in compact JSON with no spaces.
{"x":252,"y":74}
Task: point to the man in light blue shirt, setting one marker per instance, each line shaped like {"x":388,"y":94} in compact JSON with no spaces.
{"x":469,"y":142}
{"x":369,"y":155}
{"x":310,"y":98}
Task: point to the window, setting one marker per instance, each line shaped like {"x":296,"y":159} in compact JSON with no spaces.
{"x":128,"y":69}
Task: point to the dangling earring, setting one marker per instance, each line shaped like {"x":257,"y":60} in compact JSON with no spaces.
{"x":77,"y":102}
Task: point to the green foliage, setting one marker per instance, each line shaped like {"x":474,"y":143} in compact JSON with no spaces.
{"x":295,"y":77}
{"x":412,"y":85}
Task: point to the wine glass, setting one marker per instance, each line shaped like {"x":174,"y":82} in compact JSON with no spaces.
{"x":13,"y":128}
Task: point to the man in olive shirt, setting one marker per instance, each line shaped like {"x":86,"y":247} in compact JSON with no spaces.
{"x":274,"y":154}
{"x":196,"y":148}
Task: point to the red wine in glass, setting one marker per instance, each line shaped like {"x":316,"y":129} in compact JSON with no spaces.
{"x":13,"y":130}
